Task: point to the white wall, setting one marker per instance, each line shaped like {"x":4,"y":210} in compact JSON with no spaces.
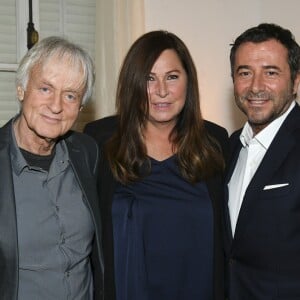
{"x":207,"y":28}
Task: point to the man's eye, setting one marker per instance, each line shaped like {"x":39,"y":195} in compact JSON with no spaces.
{"x":244,"y":74}
{"x":272,"y":73}
{"x":44,"y":89}
{"x":70,"y":97}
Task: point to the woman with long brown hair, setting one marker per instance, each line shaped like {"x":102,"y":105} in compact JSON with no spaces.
{"x":160,"y":179}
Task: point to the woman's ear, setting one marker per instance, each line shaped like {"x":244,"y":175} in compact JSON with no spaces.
{"x":20,"y":93}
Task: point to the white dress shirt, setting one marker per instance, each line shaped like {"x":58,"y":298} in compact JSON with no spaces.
{"x":250,"y":157}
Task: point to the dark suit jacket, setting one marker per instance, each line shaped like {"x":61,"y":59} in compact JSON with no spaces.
{"x":83,"y":153}
{"x":264,"y":255}
{"x":101,"y":130}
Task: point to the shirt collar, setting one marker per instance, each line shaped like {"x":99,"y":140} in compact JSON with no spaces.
{"x":18,"y":161}
{"x":265,"y":136}
{"x":60,"y":160}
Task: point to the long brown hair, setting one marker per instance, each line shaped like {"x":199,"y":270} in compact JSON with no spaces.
{"x":198,"y":154}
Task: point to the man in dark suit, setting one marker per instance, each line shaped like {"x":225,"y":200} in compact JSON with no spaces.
{"x":50,"y":246}
{"x":263,"y":209}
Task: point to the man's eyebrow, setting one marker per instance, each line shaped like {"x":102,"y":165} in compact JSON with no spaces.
{"x":243,"y":67}
{"x":272,"y":67}
{"x":46,"y":82}
{"x":264,"y":67}
{"x":67,"y":90}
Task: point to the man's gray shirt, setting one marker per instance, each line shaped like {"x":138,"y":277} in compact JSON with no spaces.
{"x":55,"y":230}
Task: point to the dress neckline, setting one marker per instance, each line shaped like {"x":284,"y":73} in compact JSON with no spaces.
{"x":153,"y":160}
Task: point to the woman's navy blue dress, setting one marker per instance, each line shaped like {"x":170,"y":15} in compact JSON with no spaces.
{"x":163,"y":237}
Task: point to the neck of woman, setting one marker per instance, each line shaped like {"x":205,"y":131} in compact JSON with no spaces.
{"x":158,"y":143}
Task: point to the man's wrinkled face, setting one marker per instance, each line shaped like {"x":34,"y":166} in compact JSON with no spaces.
{"x":52,"y":100}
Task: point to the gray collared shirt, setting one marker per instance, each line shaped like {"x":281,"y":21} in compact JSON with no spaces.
{"x":55,"y":230}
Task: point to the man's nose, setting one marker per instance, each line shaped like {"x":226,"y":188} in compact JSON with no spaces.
{"x":56,"y":103}
{"x":257,"y":83}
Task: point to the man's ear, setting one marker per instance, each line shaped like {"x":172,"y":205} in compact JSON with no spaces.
{"x":296,"y":83}
{"x":20,"y":93}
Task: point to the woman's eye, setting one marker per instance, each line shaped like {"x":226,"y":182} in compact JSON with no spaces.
{"x":173,"y":76}
{"x":150,"y":78}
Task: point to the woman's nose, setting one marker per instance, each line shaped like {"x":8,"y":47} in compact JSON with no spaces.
{"x":162,"y":89}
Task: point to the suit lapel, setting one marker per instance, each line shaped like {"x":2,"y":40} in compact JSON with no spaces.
{"x":8,"y":222}
{"x":87,"y":182}
{"x":236,"y":146}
